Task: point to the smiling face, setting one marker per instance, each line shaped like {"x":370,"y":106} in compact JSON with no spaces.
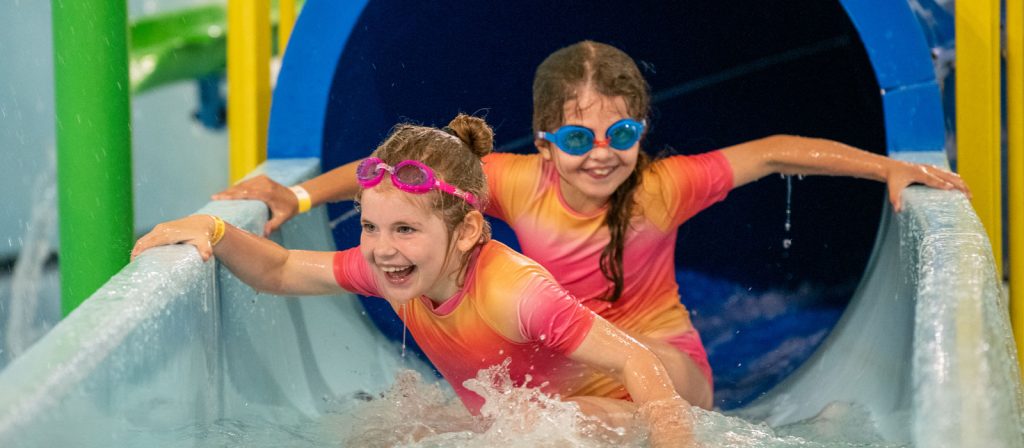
{"x":405,"y":244}
{"x":588,"y":181}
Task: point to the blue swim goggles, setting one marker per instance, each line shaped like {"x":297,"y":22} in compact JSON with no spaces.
{"x":578,"y":140}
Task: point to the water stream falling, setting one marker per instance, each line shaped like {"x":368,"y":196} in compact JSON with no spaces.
{"x":787,"y":241}
{"x":26,"y":320}
{"x":405,"y":329}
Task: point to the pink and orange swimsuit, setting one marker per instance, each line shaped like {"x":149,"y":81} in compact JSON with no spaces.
{"x":525,"y":192}
{"x":461,"y":336}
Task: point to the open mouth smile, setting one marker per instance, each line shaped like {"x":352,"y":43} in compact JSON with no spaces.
{"x":599,"y":173}
{"x":397,"y":274}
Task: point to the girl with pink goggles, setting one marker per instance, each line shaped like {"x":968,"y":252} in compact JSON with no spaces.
{"x":410,"y":176}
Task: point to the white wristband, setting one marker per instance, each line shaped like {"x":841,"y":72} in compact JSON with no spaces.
{"x":305,"y":203}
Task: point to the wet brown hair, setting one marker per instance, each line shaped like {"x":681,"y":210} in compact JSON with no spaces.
{"x":454,"y":154}
{"x":610,"y":72}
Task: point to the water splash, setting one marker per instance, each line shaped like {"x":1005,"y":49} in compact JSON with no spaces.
{"x":839,"y":425}
{"x":24,"y":323}
{"x":417,"y":414}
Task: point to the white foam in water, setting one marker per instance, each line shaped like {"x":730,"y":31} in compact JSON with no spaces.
{"x":414,"y":413}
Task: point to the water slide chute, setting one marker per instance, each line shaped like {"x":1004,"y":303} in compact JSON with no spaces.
{"x":805,"y":68}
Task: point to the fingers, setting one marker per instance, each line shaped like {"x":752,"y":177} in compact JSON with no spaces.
{"x":151,"y":239}
{"x":927,"y":175}
{"x":939,"y":178}
{"x":190,"y":230}
{"x":276,"y":221}
{"x":935,"y":178}
{"x":205,"y":249}
{"x":955,"y":180}
{"x":259,"y":188}
{"x":896,"y":198}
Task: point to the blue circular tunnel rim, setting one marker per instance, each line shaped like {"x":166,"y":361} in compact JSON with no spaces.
{"x":892,"y":38}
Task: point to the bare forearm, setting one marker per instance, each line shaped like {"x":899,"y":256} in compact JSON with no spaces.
{"x":256,"y":261}
{"x":646,"y":379}
{"x":795,"y":155}
{"x":268,"y":267}
{"x":665,"y":412}
{"x":607,"y":348}
{"x":335,"y":185}
{"x":802,"y":155}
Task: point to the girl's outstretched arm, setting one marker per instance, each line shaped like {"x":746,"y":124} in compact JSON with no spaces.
{"x":258,"y":262}
{"x":335,"y":185}
{"x":789,"y":154}
{"x":610,"y":349}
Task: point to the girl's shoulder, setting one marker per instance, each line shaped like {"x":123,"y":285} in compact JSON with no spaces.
{"x":683,"y":162}
{"x":503,"y":280}
{"x":496,"y":257}
{"x":505,"y":272}
{"x":506,"y":160}
{"x":672,"y":170}
{"x":514,"y":181}
{"x":679,"y":186}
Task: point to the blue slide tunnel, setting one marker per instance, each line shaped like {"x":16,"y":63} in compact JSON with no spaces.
{"x":721,"y":73}
{"x":900,"y":314}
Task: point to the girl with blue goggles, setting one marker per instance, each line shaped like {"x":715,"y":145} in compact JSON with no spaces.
{"x":579,"y":140}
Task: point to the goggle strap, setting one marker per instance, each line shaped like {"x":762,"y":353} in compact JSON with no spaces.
{"x":381,"y":167}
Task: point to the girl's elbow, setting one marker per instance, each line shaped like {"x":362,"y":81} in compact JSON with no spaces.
{"x":643,"y":358}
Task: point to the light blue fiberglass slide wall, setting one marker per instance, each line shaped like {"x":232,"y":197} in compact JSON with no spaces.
{"x":170,"y":342}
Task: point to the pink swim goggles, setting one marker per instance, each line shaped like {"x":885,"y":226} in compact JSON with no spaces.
{"x":410,"y":176}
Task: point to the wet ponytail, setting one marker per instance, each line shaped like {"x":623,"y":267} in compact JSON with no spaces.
{"x":474,"y":132}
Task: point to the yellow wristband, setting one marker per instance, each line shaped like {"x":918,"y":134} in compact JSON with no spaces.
{"x":305,"y":203}
{"x":218,"y":230}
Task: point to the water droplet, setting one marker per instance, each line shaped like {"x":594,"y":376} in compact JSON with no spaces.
{"x":404,"y":332}
{"x":789,"y":211}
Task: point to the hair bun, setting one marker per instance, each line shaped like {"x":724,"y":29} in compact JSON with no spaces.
{"x":474,"y":132}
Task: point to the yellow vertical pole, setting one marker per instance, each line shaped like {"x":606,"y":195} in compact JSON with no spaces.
{"x":285,"y":23}
{"x":978,"y":113}
{"x":1015,"y":165}
{"x":248,"y":84}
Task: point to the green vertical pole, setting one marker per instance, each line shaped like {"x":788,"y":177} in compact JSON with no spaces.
{"x":94,"y":175}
